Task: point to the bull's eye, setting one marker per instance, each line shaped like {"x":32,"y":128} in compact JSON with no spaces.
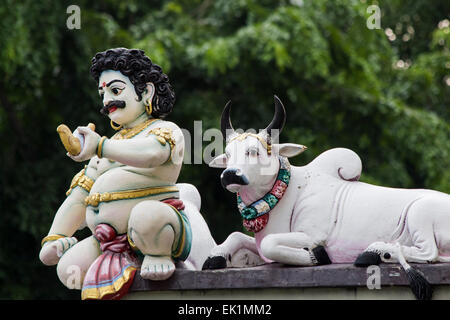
{"x":252,"y":152}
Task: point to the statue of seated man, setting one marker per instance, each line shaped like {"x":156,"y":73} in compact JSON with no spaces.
{"x":127,"y":193}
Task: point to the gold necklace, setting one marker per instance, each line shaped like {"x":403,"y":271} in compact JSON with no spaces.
{"x":129,"y":133}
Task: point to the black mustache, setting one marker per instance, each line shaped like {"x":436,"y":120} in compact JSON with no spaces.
{"x":115,"y":103}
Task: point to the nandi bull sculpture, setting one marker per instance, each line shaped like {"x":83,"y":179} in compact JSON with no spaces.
{"x":320,"y":213}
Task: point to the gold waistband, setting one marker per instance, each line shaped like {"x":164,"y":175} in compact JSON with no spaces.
{"x":95,"y":198}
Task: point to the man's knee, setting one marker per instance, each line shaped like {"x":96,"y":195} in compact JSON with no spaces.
{"x":152,"y":226}
{"x":151,"y":216}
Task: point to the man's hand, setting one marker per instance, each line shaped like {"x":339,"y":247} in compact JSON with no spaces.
{"x":52,"y":251}
{"x":91,"y":139}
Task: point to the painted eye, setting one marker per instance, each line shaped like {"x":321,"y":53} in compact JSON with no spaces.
{"x":116,"y":91}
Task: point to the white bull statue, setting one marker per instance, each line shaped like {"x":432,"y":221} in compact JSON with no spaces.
{"x":320,"y":213}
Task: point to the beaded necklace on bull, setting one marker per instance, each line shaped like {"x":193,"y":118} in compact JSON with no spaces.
{"x":256,"y":215}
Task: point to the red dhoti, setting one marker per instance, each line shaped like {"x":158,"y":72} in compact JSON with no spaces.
{"x":112,"y":273}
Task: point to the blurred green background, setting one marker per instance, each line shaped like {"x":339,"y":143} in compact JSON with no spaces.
{"x":382,"y":92}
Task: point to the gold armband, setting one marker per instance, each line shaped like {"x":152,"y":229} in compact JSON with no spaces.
{"x":81,"y":180}
{"x":51,"y":237}
{"x":163,"y":135}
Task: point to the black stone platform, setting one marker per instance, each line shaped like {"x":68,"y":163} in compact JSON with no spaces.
{"x":280,"y":276}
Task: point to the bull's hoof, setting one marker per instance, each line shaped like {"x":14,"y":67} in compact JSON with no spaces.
{"x":367,"y":258}
{"x":321,"y":255}
{"x":216,"y":262}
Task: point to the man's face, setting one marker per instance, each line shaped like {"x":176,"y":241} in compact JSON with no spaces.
{"x":120,"y":101}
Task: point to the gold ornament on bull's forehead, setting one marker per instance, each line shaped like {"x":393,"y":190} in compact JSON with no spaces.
{"x":245,"y":135}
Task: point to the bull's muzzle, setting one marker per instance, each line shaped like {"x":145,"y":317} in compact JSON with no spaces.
{"x":233,"y":176}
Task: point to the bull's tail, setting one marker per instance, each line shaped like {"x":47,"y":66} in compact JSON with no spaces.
{"x":341,"y":163}
{"x":421,"y":288}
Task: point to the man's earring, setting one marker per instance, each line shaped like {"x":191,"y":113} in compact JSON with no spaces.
{"x":148,"y":107}
{"x":114,"y":126}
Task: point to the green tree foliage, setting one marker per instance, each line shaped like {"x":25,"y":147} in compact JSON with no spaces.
{"x":383,"y":93}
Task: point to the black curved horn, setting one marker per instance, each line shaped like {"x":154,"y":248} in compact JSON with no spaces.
{"x":225,"y":122}
{"x":279,"y":118}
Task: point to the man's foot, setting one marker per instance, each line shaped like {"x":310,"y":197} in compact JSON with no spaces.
{"x":157,"y":267}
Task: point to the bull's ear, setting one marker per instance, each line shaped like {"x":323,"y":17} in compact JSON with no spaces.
{"x":219,"y":161}
{"x":288,"y":150}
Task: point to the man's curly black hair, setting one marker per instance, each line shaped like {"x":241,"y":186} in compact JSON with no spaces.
{"x":134,"y":64}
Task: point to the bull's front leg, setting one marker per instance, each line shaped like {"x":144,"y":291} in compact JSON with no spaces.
{"x":238,"y":250}
{"x":294,"y":248}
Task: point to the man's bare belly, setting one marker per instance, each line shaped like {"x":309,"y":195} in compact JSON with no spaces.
{"x":114,"y":177}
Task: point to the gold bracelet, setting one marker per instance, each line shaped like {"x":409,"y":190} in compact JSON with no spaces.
{"x":51,"y":237}
{"x":100,"y":146}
